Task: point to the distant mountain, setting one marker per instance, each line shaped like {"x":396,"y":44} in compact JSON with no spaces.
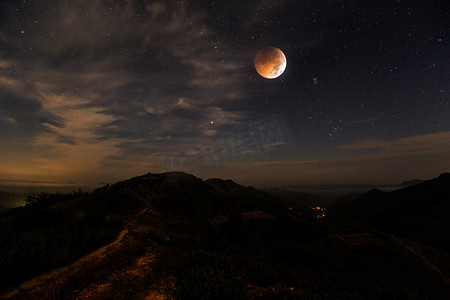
{"x":420,"y":212}
{"x":411,"y":182}
{"x":177,"y":236}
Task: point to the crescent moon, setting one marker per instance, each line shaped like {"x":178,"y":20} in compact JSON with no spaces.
{"x":270,"y":62}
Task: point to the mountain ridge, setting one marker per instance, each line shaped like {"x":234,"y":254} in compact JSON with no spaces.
{"x":188,"y":238}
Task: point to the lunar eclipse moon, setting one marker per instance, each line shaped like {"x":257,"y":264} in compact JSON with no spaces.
{"x":270,"y":62}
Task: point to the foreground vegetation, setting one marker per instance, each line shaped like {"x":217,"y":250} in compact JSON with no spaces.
{"x":50,"y":231}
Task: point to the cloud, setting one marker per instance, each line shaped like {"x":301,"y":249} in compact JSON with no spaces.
{"x":157,"y":48}
{"x":76,"y":119}
{"x":423,"y":156}
{"x":4,"y":64}
{"x":10,"y":83}
{"x":8,"y":120}
{"x":428,"y":143}
{"x":113,"y":84}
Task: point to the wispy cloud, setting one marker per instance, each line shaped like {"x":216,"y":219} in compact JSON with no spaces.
{"x":428,"y":143}
{"x":423,"y":156}
{"x":8,"y":120}
{"x":75,"y":119}
{"x":110,"y":88}
{"x":10,"y":83}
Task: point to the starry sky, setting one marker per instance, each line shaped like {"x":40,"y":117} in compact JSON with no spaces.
{"x":102,"y":90}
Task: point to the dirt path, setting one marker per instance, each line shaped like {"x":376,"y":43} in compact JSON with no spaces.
{"x":133,"y":264}
{"x":44,"y":278}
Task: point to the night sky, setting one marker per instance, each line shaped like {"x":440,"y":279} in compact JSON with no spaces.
{"x":98,"y":91}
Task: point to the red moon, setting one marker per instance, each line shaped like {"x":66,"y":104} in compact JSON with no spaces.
{"x":270,"y":62}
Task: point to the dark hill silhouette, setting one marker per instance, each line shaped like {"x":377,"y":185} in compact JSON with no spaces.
{"x":184,"y":195}
{"x":420,"y":212}
{"x":186,"y":238}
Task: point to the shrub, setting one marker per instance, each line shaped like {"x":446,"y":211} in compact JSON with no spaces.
{"x":206,"y":275}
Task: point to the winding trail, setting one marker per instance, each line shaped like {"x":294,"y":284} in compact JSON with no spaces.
{"x":53,"y":275}
{"x":421,"y":257}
